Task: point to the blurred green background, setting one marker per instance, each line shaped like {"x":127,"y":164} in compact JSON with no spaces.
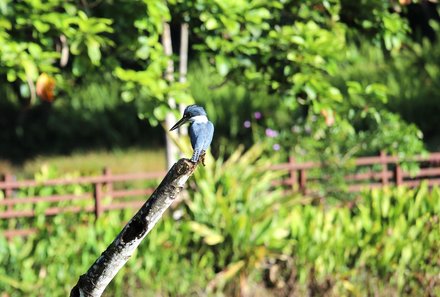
{"x":82,"y":87}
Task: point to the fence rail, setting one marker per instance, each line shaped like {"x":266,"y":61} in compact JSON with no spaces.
{"x":107,"y":186}
{"x":106,"y":193}
{"x":369,"y":172}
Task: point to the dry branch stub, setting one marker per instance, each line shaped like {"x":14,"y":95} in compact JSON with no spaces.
{"x":99,"y":275}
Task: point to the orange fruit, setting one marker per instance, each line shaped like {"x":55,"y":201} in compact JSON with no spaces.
{"x":46,"y":87}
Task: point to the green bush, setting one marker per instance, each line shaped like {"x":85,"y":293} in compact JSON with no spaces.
{"x":385,"y":242}
{"x":234,"y":217}
{"x":411,"y":77}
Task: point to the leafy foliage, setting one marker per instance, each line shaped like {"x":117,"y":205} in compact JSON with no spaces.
{"x":90,"y":116}
{"x":293,"y":54}
{"x":289,"y":74}
{"x":296,"y":51}
{"x":234,"y":215}
{"x":235,"y":233}
{"x":29,"y":32}
{"x":411,"y":79}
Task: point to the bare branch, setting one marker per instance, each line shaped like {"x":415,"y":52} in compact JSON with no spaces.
{"x":32,"y":91}
{"x":99,"y":275}
{"x":64,"y":59}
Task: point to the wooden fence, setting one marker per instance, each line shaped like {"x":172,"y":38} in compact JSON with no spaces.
{"x":106,"y":186}
{"x":368,"y":172}
{"x":106,"y":192}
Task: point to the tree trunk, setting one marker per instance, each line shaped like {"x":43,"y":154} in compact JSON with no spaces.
{"x":183,"y":66}
{"x":99,"y":275}
{"x":170,"y":119}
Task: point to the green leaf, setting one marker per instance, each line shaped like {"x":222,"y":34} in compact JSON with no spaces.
{"x":11,"y":76}
{"x":31,"y":69}
{"x":210,"y":236}
{"x":160,"y":112}
{"x":93,"y":51}
{"x":40,"y":26}
{"x":79,"y":66}
{"x":211,"y":23}
{"x":222,"y":65}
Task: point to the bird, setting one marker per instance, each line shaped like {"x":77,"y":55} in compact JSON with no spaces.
{"x":201,"y":131}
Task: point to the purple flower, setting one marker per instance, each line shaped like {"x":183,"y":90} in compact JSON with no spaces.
{"x":247,"y":124}
{"x":271,"y":133}
{"x":257,"y":115}
{"x":276,"y":147}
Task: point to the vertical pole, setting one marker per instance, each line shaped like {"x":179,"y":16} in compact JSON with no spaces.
{"x":170,"y":119}
{"x":183,"y":65}
{"x":383,"y":161}
{"x":302,"y":180}
{"x":108,"y":183}
{"x":7,"y":178}
{"x":398,"y":175}
{"x":97,"y":195}
{"x":292,"y":172}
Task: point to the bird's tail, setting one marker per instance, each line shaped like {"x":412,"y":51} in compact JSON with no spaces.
{"x":197,"y":156}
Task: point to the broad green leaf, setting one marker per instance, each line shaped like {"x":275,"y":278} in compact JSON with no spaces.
{"x":93,"y":51}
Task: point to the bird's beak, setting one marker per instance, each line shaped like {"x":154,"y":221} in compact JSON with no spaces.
{"x":179,"y":123}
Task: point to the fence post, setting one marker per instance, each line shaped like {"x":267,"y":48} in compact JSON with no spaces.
{"x":302,"y":180}
{"x":7,"y":178}
{"x":108,"y":183}
{"x":383,"y":161}
{"x":97,"y":195}
{"x":398,"y":175}
{"x":292,"y":172}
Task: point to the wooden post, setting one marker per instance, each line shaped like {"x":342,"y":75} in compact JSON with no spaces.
{"x":108,"y":183}
{"x":383,"y":161}
{"x":97,"y":195}
{"x":398,"y":175}
{"x":302,"y":180}
{"x":7,"y":178}
{"x":292,"y":173}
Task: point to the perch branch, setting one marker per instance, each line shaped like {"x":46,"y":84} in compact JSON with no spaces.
{"x":99,"y":275}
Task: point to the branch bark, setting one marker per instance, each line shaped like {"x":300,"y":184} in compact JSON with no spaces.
{"x":99,"y":275}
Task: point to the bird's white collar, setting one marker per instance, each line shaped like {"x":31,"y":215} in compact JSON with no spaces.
{"x":199,"y":119}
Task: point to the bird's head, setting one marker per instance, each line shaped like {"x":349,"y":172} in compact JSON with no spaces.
{"x":189,"y":115}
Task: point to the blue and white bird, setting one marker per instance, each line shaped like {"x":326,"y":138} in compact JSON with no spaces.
{"x":201,"y":130}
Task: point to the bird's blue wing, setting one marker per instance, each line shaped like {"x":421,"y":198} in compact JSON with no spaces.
{"x":201,"y":136}
{"x":209,"y":135}
{"x":195,"y":130}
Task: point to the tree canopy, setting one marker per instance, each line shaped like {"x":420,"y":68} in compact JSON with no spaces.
{"x":298,"y":52}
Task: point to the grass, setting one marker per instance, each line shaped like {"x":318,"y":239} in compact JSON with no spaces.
{"x":89,"y":162}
